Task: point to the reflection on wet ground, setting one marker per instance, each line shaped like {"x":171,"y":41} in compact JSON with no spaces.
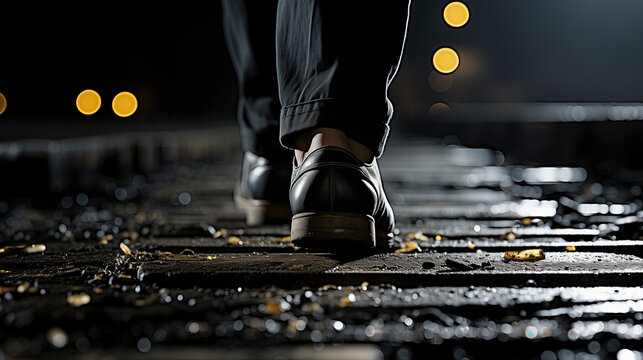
{"x":164,"y":259}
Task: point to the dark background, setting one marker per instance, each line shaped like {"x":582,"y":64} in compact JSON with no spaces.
{"x":173,"y":58}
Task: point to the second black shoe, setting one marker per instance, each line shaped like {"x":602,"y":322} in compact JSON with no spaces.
{"x":262,"y":191}
{"x":338,"y":202}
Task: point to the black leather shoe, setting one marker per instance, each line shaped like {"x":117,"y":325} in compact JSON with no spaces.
{"x":262,"y":192}
{"x":338,"y":202}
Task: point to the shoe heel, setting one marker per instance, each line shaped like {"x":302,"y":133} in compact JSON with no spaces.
{"x":267,"y":214}
{"x":259,"y":212}
{"x":333,"y":230}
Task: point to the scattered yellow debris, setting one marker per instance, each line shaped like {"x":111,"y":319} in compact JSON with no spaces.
{"x":479,"y":251}
{"x":509,"y":236}
{"x":219,"y":233}
{"x":346,"y":301}
{"x":530,"y":254}
{"x":209,"y":257}
{"x":311,"y":307}
{"x":285,"y":239}
{"x":5,"y":272}
{"x":123,"y":276}
{"x":133,"y":235}
{"x":364,"y":286}
{"x":570,"y":248}
{"x":126,"y":249}
{"x":77,"y":300}
{"x":98,"y":291}
{"x":328,"y":286}
{"x":296,"y":266}
{"x":23,"y":287}
{"x":98,"y":277}
{"x":31,"y":249}
{"x":11,"y":248}
{"x":408,"y":247}
{"x":472,"y":245}
{"x":418,"y":236}
{"x":438,"y":238}
{"x":170,"y":256}
{"x":233,"y":240}
{"x":35,"y":248}
{"x":34,"y":275}
{"x":273,"y":308}
{"x":526,"y":221}
{"x":107,"y":238}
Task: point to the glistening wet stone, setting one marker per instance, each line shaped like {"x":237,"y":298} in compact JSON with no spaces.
{"x":196,"y":278}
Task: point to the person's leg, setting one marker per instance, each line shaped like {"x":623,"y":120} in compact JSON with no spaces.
{"x":249,"y":28}
{"x":262,"y":191}
{"x":336,"y":60}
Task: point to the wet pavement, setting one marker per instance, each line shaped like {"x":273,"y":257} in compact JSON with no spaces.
{"x":162,"y":263}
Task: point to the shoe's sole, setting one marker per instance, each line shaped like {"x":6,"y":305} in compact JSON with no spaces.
{"x":336,"y":231}
{"x":262,"y":212}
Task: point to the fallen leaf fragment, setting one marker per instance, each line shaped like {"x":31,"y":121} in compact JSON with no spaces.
{"x":23,"y":287}
{"x":77,"y":300}
{"x":272,"y":308}
{"x":126,"y":249}
{"x":35,"y":248}
{"x":233,"y":240}
{"x":297,"y":266}
{"x":472,"y":246}
{"x":418,"y":236}
{"x":570,"y":248}
{"x":530,"y":254}
{"x":107,"y":238}
{"x":408,"y":247}
{"x":509,"y":236}
{"x":364,"y":286}
{"x":311,"y":307}
{"x":31,"y":249}
{"x":345,"y":301}
{"x":219,"y":233}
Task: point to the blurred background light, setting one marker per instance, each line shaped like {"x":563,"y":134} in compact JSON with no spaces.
{"x":440,"y":82}
{"x":456,"y":14}
{"x":88,"y":102}
{"x":439,"y":109}
{"x":3,"y":103}
{"x":446,"y":60}
{"x":124,"y":104}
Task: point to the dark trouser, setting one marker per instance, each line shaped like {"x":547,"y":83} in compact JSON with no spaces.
{"x":330,"y":67}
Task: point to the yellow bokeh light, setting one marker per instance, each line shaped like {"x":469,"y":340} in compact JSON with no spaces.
{"x":3,"y":103}
{"x":436,"y":110}
{"x":124,"y":104}
{"x":446,"y":60}
{"x":88,"y":102}
{"x":440,"y":82}
{"x":456,"y":14}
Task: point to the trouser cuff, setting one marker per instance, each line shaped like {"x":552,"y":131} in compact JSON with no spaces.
{"x":367,"y":126}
